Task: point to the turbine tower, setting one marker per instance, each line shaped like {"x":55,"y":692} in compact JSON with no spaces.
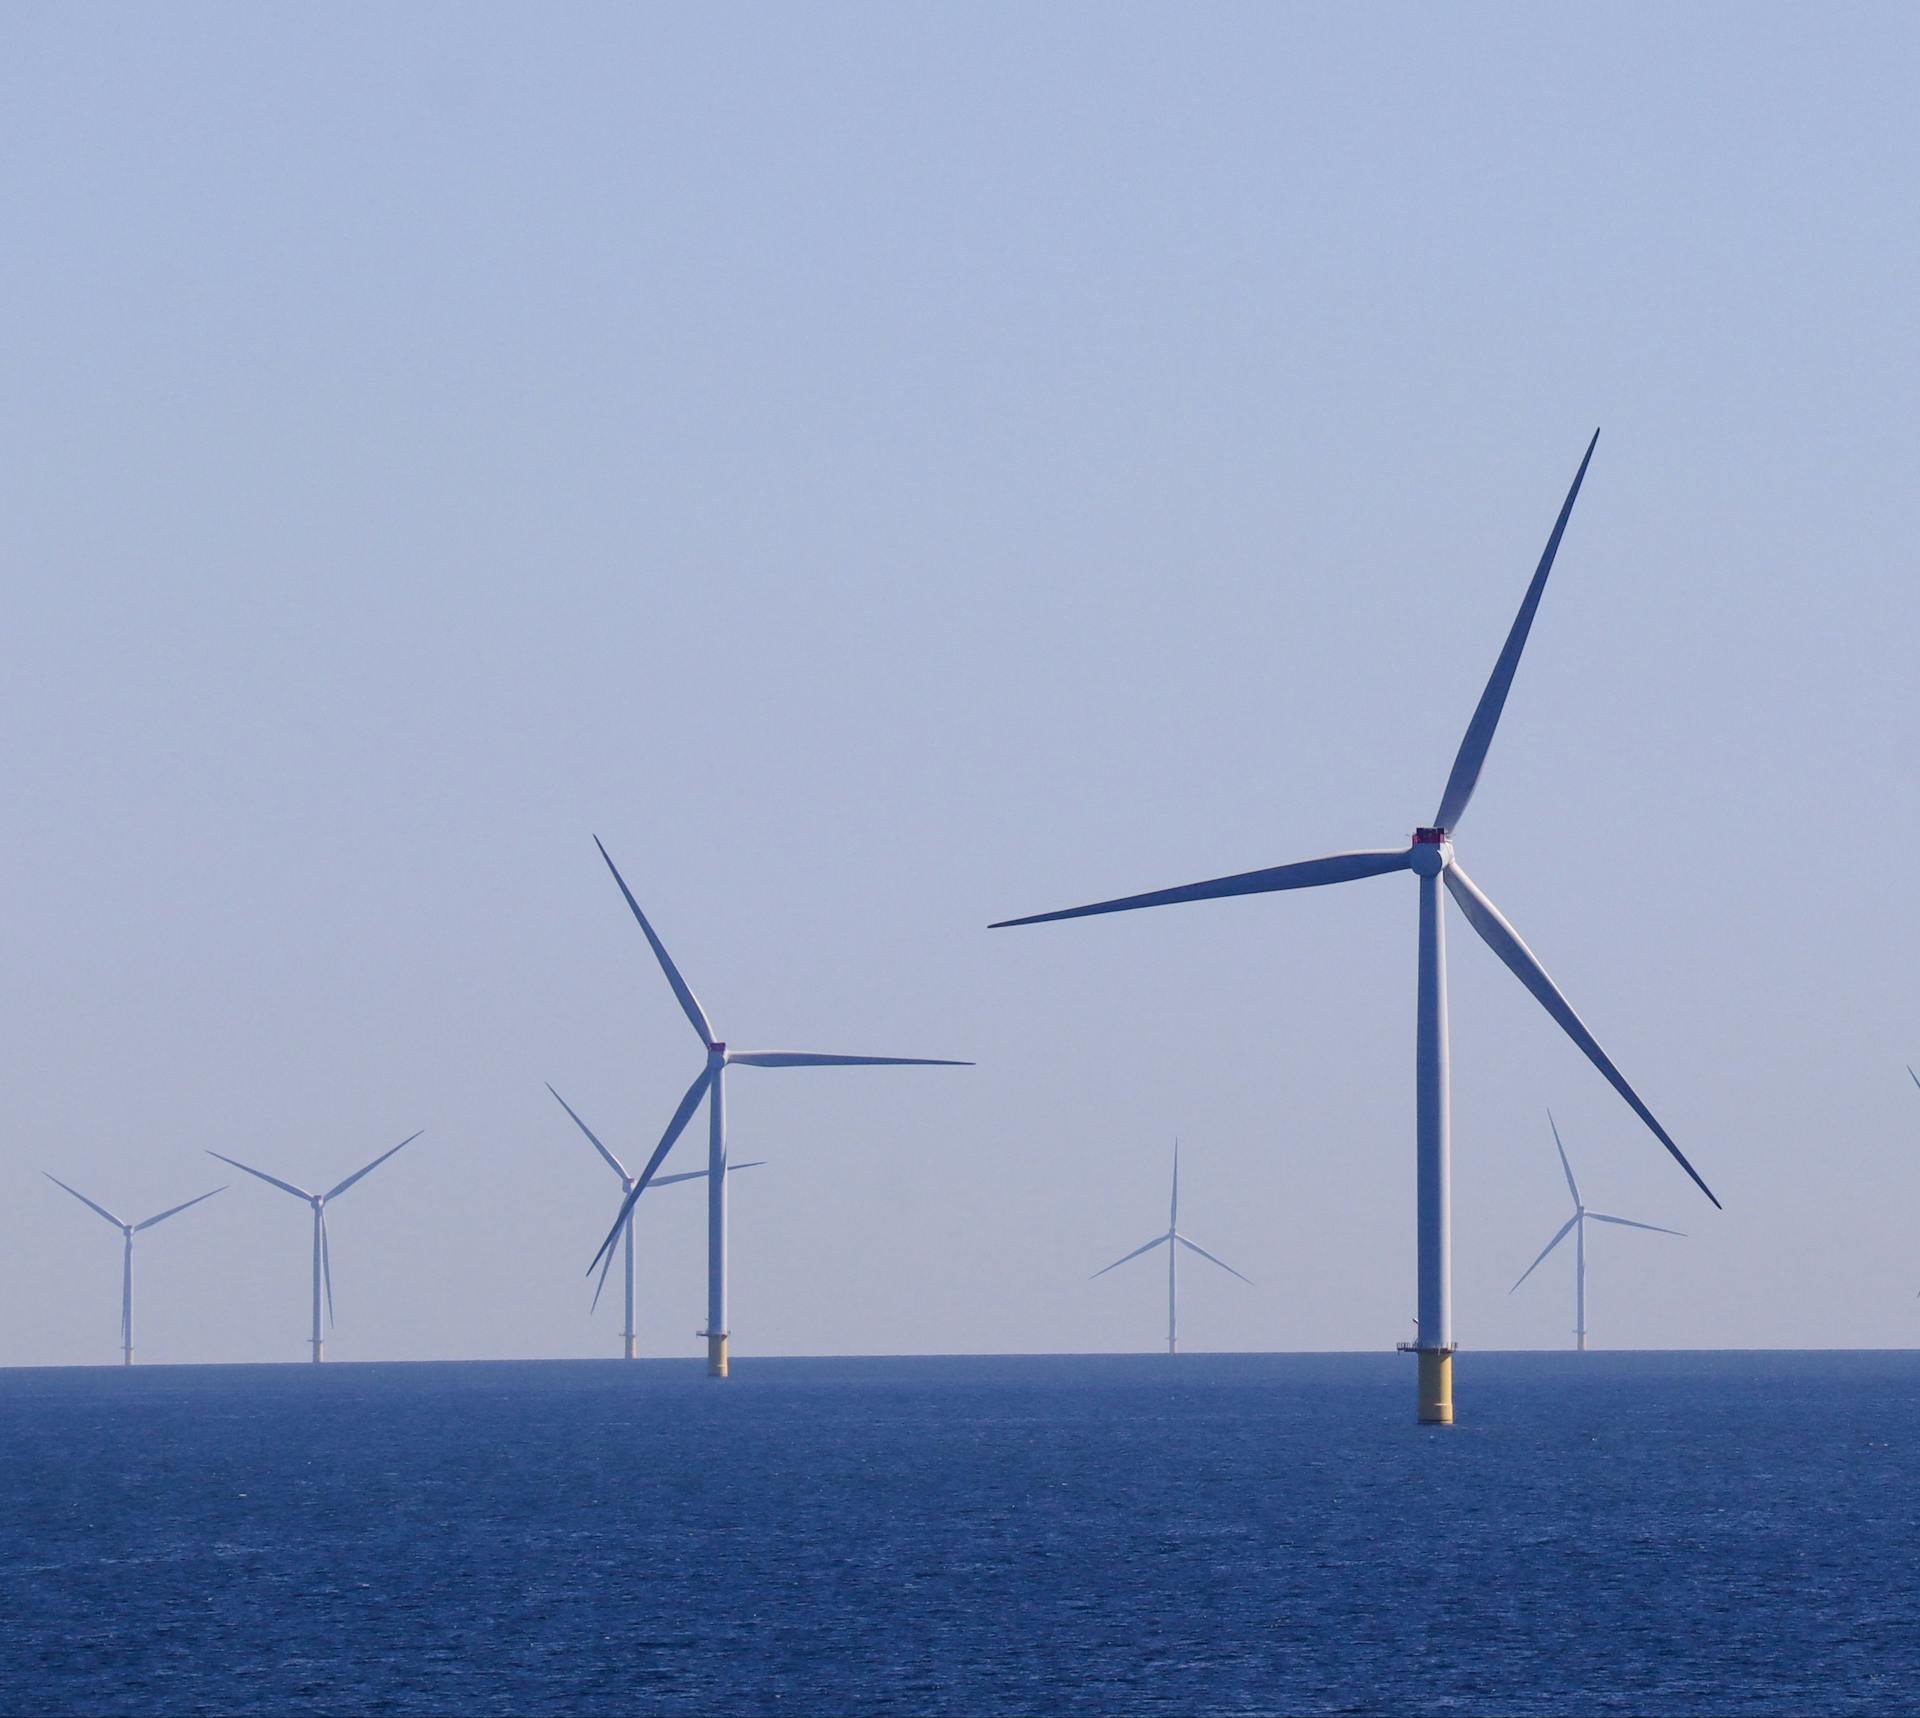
{"x":1173,"y":1241}
{"x":1577,"y":1225}
{"x":1431,"y":859}
{"x":128,"y":1231}
{"x":627,"y":1184}
{"x":710,"y":1082}
{"x":322,"y":1253}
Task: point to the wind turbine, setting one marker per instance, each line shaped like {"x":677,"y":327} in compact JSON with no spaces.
{"x":322,"y":1253}
{"x":1577,"y":1225}
{"x":1431,"y":859}
{"x":627,"y":1183}
{"x":128,"y":1230}
{"x":711,"y":1081}
{"x":1173,"y":1241}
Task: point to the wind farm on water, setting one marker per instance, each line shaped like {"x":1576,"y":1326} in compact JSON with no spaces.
{"x":1430,"y":856}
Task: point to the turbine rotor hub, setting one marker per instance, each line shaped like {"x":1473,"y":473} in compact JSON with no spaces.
{"x":1431,"y":853}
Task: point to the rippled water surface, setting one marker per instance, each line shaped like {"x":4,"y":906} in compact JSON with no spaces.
{"x":1712,"y":1533}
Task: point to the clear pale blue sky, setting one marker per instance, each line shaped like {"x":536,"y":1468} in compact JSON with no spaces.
{"x":886,"y":469}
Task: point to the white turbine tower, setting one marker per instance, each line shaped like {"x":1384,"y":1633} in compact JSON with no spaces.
{"x":711,"y":1080}
{"x":1431,"y":859}
{"x":1173,"y":1241}
{"x":322,"y":1253}
{"x":128,"y":1231}
{"x":1576,"y":1225}
{"x":627,"y":1185}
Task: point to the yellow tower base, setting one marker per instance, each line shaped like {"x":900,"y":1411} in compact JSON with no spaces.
{"x":716,"y":1356}
{"x":1436,"y":1387}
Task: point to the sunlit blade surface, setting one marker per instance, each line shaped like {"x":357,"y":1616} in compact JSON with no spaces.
{"x":1173,"y":1210}
{"x":334,"y":1192}
{"x":1505,"y":941}
{"x":1566,"y":1229}
{"x":1195,"y":1247}
{"x":84,"y":1200}
{"x":619,"y":1168}
{"x":1303,"y":874}
{"x":1629,"y":1223}
{"x":1573,"y":1186}
{"x":164,"y":1215}
{"x":688,"y":1001}
{"x":1157,"y":1241}
{"x":1486,"y":714}
{"x":675,"y":1128}
{"x":807,"y":1059}
{"x":326,"y":1266}
{"x":272,"y":1180}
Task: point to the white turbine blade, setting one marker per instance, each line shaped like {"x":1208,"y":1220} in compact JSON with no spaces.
{"x":619,"y":1168}
{"x":1566,"y":1229}
{"x":688,"y":1001}
{"x":335,"y":1191}
{"x":1505,"y":941}
{"x":164,"y":1215}
{"x":273,"y":1180}
{"x":702,"y":1174}
{"x":807,"y":1059}
{"x":84,"y":1200}
{"x":1629,"y":1223}
{"x":1573,"y":1186}
{"x":1303,"y":874}
{"x":1486,"y":714}
{"x":602,"y":1283}
{"x":326,"y":1264}
{"x":1195,"y":1247}
{"x":1157,"y":1241}
{"x":1173,"y":1210}
{"x":675,"y":1128}
{"x":1915,"y":1078}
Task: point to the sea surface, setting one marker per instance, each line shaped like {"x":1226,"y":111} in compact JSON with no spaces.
{"x":1246,"y":1533}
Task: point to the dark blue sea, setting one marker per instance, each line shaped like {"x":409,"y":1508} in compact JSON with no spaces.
{"x":1600,"y":1533}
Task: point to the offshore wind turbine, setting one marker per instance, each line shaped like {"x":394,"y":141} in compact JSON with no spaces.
{"x":1431,"y":859}
{"x":627,"y":1184}
{"x":128,"y":1231}
{"x":710,"y":1084}
{"x":1576,"y":1225}
{"x":322,"y":1253}
{"x":1173,"y":1241}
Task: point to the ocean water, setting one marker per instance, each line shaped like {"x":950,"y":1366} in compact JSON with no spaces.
{"x":1600,"y":1533}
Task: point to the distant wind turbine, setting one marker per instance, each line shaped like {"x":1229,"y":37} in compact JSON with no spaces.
{"x":1173,"y":1241}
{"x":128,"y":1231}
{"x":627,"y":1183}
{"x":322,"y":1253}
{"x":711,"y":1081}
{"x":1576,"y":1225}
{"x":1431,"y":859}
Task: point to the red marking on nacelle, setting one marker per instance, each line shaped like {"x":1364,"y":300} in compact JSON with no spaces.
{"x":720,"y":1047}
{"x":1428,"y":837}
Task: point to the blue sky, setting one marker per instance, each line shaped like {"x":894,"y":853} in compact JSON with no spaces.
{"x":889,"y":469}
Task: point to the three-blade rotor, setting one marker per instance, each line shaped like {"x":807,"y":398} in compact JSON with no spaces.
{"x":1432,"y":853}
{"x":1580,"y":1213}
{"x":719,"y":1057}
